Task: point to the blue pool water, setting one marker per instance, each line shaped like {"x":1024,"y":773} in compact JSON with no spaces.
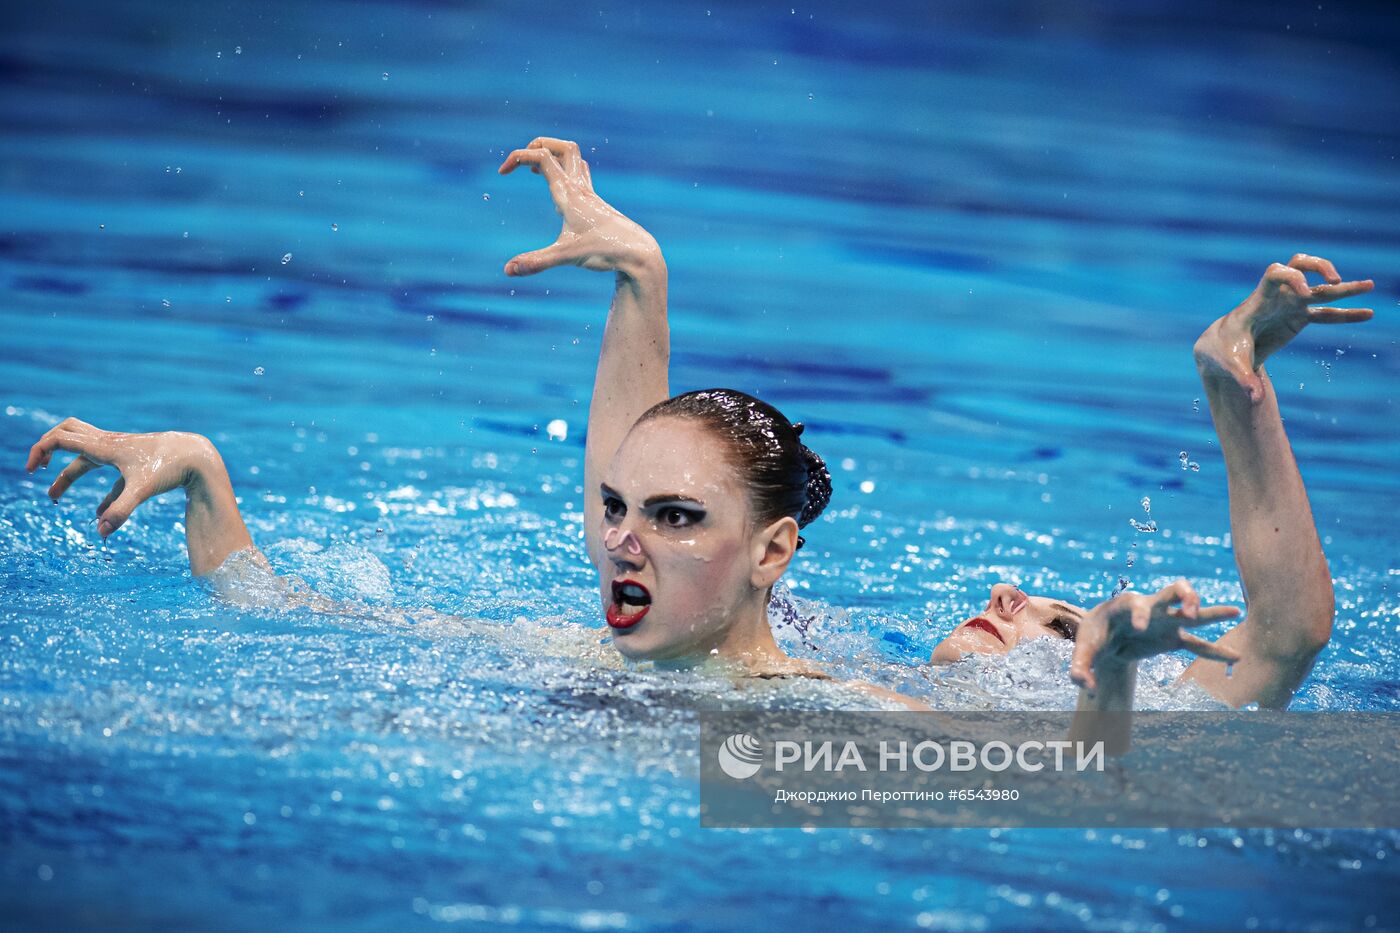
{"x":969,"y":247}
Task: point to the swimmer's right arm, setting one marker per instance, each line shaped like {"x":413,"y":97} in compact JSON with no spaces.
{"x":152,"y":464}
{"x":632,"y":367}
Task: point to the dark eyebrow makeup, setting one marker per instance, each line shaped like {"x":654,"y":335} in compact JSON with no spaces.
{"x":1063,"y":608}
{"x":683,"y":500}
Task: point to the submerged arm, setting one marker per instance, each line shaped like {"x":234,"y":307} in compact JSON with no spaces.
{"x":632,"y":366}
{"x":151,"y":464}
{"x":1287,"y":584}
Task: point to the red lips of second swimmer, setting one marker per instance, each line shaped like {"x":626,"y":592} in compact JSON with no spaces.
{"x":984,"y":625}
{"x":630,"y":603}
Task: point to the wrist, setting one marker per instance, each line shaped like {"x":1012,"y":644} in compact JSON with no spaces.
{"x":644,"y":266}
{"x":199,"y":460}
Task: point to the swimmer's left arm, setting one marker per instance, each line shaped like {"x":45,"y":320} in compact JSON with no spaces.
{"x":1115,"y":635}
{"x":152,"y":464}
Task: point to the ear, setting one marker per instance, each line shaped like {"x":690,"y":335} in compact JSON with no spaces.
{"x":772,"y":551}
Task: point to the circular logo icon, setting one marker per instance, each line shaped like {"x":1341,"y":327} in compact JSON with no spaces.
{"x":741,"y":756}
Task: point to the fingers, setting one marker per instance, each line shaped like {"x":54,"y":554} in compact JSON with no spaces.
{"x":1179,"y":592}
{"x":1141,"y":614}
{"x":1212,"y":614}
{"x":116,"y":514}
{"x":112,"y":496}
{"x":1339,"y":315}
{"x":556,"y":254}
{"x":1288,"y":279}
{"x":70,"y":475}
{"x":1207,"y":649}
{"x":73,"y":436}
{"x":1315,"y":264}
{"x":564,"y":150}
{"x":1081,"y":665}
{"x":1340,"y":290}
{"x":540,"y":161}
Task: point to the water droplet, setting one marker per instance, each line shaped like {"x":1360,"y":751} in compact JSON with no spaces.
{"x":558,"y":429}
{"x":218,"y":54}
{"x":335,"y":228}
{"x":301,"y":194}
{"x":258,"y":371}
{"x":1132,"y":558}
{"x":486,"y":197}
{"x":1184,"y":458}
{"x":101,"y":226}
{"x":1195,"y":404}
{"x":238,"y":50}
{"x":165,"y":302}
{"x":811,"y":97}
{"x":1147,"y":527}
{"x":384,"y":76}
{"x":286,"y":258}
{"x":867,"y":486}
{"x":1147,"y":505}
{"x":178,"y":170}
{"x":228,"y":299}
{"x":430,"y":317}
{"x":185,"y":235}
{"x":1194,"y":467}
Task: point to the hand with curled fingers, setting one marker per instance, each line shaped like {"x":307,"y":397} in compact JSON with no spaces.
{"x":1278,"y":309}
{"x":151,"y":464}
{"x":595,"y":235}
{"x":1132,"y":626}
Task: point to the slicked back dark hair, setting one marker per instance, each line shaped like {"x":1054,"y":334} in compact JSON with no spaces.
{"x":784,"y":477}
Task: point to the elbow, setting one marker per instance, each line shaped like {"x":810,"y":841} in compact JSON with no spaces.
{"x":1315,"y":626}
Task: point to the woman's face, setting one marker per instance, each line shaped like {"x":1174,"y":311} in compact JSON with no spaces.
{"x":1010,"y":618}
{"x":678,"y":542}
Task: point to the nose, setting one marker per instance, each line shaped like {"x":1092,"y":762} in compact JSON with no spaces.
{"x":623,"y":545}
{"x":1007,"y":601}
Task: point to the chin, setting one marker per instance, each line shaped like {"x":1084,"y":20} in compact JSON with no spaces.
{"x":945,"y":653}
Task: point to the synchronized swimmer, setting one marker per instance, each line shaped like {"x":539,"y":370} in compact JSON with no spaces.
{"x":695,"y":503}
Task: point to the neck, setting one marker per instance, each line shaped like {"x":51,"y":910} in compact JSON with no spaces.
{"x":748,"y":643}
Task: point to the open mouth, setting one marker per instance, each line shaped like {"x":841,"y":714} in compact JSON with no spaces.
{"x":984,"y":625}
{"x":630,"y":603}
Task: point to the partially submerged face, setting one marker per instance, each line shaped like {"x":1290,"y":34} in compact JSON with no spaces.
{"x":681,"y":553}
{"x":1010,"y":618}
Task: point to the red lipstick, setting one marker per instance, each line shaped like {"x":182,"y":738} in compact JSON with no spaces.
{"x":984,"y":625}
{"x":630,"y":603}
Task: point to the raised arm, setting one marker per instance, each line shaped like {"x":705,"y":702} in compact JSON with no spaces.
{"x":632,"y":367}
{"x":1287,"y":585}
{"x":151,"y":464}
